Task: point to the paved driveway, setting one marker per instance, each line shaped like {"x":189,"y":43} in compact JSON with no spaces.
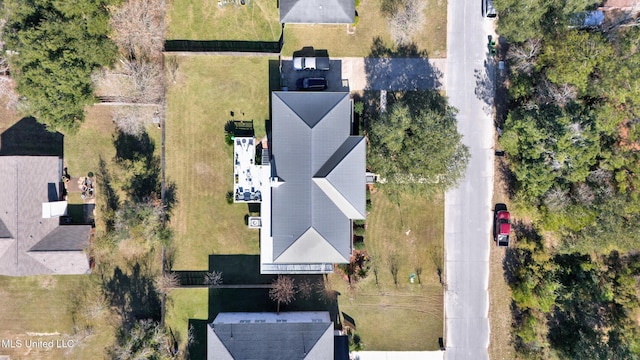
{"x":375,"y":73}
{"x":394,"y":74}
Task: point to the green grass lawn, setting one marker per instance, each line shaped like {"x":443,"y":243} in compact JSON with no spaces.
{"x":334,"y":38}
{"x":409,"y":316}
{"x":93,"y":140}
{"x":199,"y":161}
{"x":204,"y":20}
{"x":182,"y":305}
{"x":259,"y":21}
{"x":38,"y":308}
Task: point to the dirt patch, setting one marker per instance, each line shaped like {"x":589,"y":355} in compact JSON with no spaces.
{"x":500,"y":343}
{"x":202,"y":169}
{"x":624,"y":137}
{"x":47,"y":281}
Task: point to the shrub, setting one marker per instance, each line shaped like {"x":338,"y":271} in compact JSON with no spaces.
{"x":358,"y":108}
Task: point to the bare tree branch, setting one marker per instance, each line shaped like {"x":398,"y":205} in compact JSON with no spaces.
{"x":8,"y":92}
{"x":166,"y":282}
{"x":213,"y":278}
{"x":129,"y":120}
{"x":139,"y":28}
{"x":306,"y":289}
{"x":523,"y":57}
{"x":282,"y":291}
{"x":407,"y":21}
{"x":146,"y":79}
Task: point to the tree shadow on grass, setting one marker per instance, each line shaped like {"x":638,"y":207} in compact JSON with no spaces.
{"x":509,"y":181}
{"x":170,"y":199}
{"x":133,"y":295}
{"x":404,"y":68}
{"x":136,"y":155}
{"x":109,"y":201}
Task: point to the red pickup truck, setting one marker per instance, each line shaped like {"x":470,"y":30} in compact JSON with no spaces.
{"x":501,"y":225}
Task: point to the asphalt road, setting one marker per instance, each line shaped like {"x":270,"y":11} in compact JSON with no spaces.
{"x":468,"y":215}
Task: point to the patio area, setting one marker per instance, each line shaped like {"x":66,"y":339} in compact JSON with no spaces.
{"x":247,"y":185}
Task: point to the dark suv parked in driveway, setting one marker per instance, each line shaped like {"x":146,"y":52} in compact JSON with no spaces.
{"x":312,"y":83}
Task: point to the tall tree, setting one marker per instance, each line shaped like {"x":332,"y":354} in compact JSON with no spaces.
{"x":55,"y":46}
{"x":551,"y":145}
{"x":534,"y":19}
{"x":417,"y":147}
{"x":574,"y":57}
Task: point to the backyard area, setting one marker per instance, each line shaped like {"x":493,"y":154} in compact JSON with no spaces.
{"x":386,"y":317}
{"x":26,"y":301}
{"x":39,"y":308}
{"x":208,"y":89}
{"x":206,"y":20}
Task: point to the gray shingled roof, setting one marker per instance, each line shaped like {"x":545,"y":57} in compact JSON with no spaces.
{"x":305,"y":335}
{"x":4,"y":232}
{"x":323,"y":169}
{"x":65,"y":238}
{"x":317,"y":11}
{"x":25,"y":186}
{"x":280,"y":341}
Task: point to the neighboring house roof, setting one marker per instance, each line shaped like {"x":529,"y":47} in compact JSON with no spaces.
{"x":587,"y":19}
{"x":621,"y":4}
{"x":317,"y":11}
{"x":29,"y":243}
{"x":267,"y":336}
{"x":321,"y":168}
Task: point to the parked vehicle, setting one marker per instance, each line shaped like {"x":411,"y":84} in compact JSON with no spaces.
{"x":488,"y":10}
{"x":501,"y":225}
{"x":312,"y":83}
{"x":311,"y":63}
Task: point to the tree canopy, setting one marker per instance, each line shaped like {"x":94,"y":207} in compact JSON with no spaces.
{"x":412,"y":147}
{"x":572,"y":133}
{"x":55,"y":46}
{"x":572,"y":137}
{"x":533,"y":19}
